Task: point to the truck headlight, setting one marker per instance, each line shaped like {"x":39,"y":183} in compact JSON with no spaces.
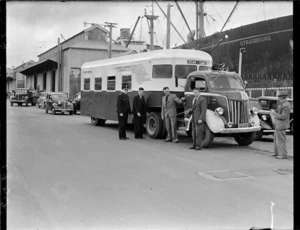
{"x":219,"y":110}
{"x":254,"y":110}
{"x":264,"y":117}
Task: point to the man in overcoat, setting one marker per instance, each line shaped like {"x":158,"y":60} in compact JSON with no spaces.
{"x":123,"y":110}
{"x":281,"y":117}
{"x":198,"y":112}
{"x":139,"y":111}
{"x":169,"y":113}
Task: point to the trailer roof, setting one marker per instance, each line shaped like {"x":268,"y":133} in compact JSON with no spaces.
{"x":157,"y":54}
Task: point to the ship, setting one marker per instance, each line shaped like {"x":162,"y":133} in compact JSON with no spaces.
{"x":268,"y":47}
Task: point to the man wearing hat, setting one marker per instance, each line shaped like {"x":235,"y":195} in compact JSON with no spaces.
{"x":123,"y":110}
{"x":139,"y":111}
{"x":281,"y":117}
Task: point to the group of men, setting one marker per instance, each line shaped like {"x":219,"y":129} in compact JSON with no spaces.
{"x":168,"y":115}
{"x":198,"y":112}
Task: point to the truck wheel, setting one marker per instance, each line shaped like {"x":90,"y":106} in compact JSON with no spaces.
{"x":208,"y":137}
{"x":292,"y":127}
{"x":154,"y":125}
{"x":19,"y":104}
{"x":245,"y":138}
{"x":97,"y":122}
{"x":33,"y":104}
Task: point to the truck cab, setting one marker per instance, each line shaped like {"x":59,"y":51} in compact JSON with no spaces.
{"x":228,"y":110}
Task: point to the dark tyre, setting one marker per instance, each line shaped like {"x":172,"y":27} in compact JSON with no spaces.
{"x":101,"y":122}
{"x":245,"y":138}
{"x":154,"y":125}
{"x":70,"y":112}
{"x":11,"y":104}
{"x":292,"y":127}
{"x":46,"y":110}
{"x":19,"y":104}
{"x":208,"y":137}
{"x":259,"y":135}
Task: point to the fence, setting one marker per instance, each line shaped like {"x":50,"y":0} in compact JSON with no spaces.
{"x":258,"y":92}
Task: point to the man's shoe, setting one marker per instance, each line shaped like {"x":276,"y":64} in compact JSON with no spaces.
{"x":175,"y":141}
{"x":168,"y":140}
{"x":192,"y":147}
{"x":280,"y":157}
{"x":197,"y":148}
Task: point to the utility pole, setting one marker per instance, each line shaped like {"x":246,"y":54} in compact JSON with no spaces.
{"x":151,"y":18}
{"x":58,"y":66}
{"x":168,"y":25}
{"x":242,"y":50}
{"x":197,"y":15}
{"x":110,"y":25}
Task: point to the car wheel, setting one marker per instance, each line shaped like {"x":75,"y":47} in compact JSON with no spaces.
{"x":70,"y":112}
{"x":46,"y":110}
{"x":19,"y":104}
{"x":245,"y":139}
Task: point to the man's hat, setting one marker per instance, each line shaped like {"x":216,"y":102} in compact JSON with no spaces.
{"x":125,"y":87}
{"x":282,"y":93}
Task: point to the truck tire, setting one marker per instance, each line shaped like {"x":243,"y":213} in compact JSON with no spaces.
{"x":97,"y":121}
{"x":258,"y":135}
{"x":154,"y":125}
{"x":208,"y":137}
{"x":245,"y":139}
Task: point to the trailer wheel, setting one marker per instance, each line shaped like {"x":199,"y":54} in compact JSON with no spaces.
{"x":245,"y":138}
{"x":208,"y":137}
{"x":154,"y":125}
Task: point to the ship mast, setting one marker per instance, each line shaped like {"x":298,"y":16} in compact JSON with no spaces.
{"x":200,"y":33}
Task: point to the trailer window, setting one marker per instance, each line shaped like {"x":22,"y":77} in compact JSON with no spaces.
{"x":111,"y":83}
{"x":126,"y":80}
{"x":181,"y":71}
{"x":162,"y":71}
{"x":86,"y":85}
{"x":98,"y":83}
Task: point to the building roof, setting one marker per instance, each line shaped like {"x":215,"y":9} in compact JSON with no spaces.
{"x":40,"y":65}
{"x":83,"y":31}
{"x":98,"y":45}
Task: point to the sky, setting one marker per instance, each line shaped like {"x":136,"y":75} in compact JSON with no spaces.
{"x":34,"y":27}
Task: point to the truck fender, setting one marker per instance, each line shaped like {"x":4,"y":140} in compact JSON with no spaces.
{"x":214,"y":121}
{"x":255,"y":118}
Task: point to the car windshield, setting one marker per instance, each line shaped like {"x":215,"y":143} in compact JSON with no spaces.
{"x":59,"y":97}
{"x":254,"y":103}
{"x":223,"y":81}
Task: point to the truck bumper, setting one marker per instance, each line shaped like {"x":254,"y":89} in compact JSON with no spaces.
{"x":63,"y":110}
{"x":18,"y":101}
{"x":240,"y":130}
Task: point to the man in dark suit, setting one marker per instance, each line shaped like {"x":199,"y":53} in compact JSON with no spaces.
{"x":281,"y":117}
{"x":123,"y":110}
{"x":139,"y":112}
{"x":169,"y":113}
{"x":198,"y":112}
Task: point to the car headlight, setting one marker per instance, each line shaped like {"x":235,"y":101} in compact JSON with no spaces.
{"x":229,"y":124}
{"x":264,"y":117}
{"x":254,"y":110}
{"x":219,"y":110}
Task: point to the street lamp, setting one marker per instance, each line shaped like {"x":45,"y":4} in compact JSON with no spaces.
{"x":242,"y":50}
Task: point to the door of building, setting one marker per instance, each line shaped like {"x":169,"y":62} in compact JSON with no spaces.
{"x":53,"y":81}
{"x":35,"y":82}
{"x":44,"y":81}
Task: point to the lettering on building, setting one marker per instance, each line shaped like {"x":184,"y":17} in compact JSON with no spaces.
{"x":255,"y":40}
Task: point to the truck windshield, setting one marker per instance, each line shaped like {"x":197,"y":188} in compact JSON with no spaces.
{"x":223,"y":81}
{"x":59,"y":97}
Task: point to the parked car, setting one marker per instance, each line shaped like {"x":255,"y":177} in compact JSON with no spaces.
{"x":58,"y":102}
{"x":41,"y":100}
{"x":23,"y":95}
{"x":266,"y":104}
{"x":76,"y":102}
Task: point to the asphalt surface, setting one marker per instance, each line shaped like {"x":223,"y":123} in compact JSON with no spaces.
{"x":65,"y":173}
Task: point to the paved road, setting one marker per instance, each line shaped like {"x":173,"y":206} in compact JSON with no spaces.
{"x":64,"y":173}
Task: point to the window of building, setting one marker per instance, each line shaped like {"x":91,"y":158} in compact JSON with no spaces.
{"x":126,"y":80}
{"x":98,"y":83}
{"x":111,"y":83}
{"x":86,"y":85}
{"x":181,"y":71}
{"x":162,"y":71}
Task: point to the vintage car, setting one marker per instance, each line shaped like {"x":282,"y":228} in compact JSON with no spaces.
{"x":58,"y":102}
{"x":76,"y":102}
{"x":266,"y":103}
{"x":24,"y":95}
{"x":41,"y":100}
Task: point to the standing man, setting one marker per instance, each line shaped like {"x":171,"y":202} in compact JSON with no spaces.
{"x":281,"y":117}
{"x":139,"y":112}
{"x":169,"y":113}
{"x":123,"y":110}
{"x":198,"y":112}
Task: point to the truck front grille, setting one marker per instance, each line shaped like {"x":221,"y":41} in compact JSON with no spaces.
{"x":64,"y":105}
{"x":238,"y":111}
